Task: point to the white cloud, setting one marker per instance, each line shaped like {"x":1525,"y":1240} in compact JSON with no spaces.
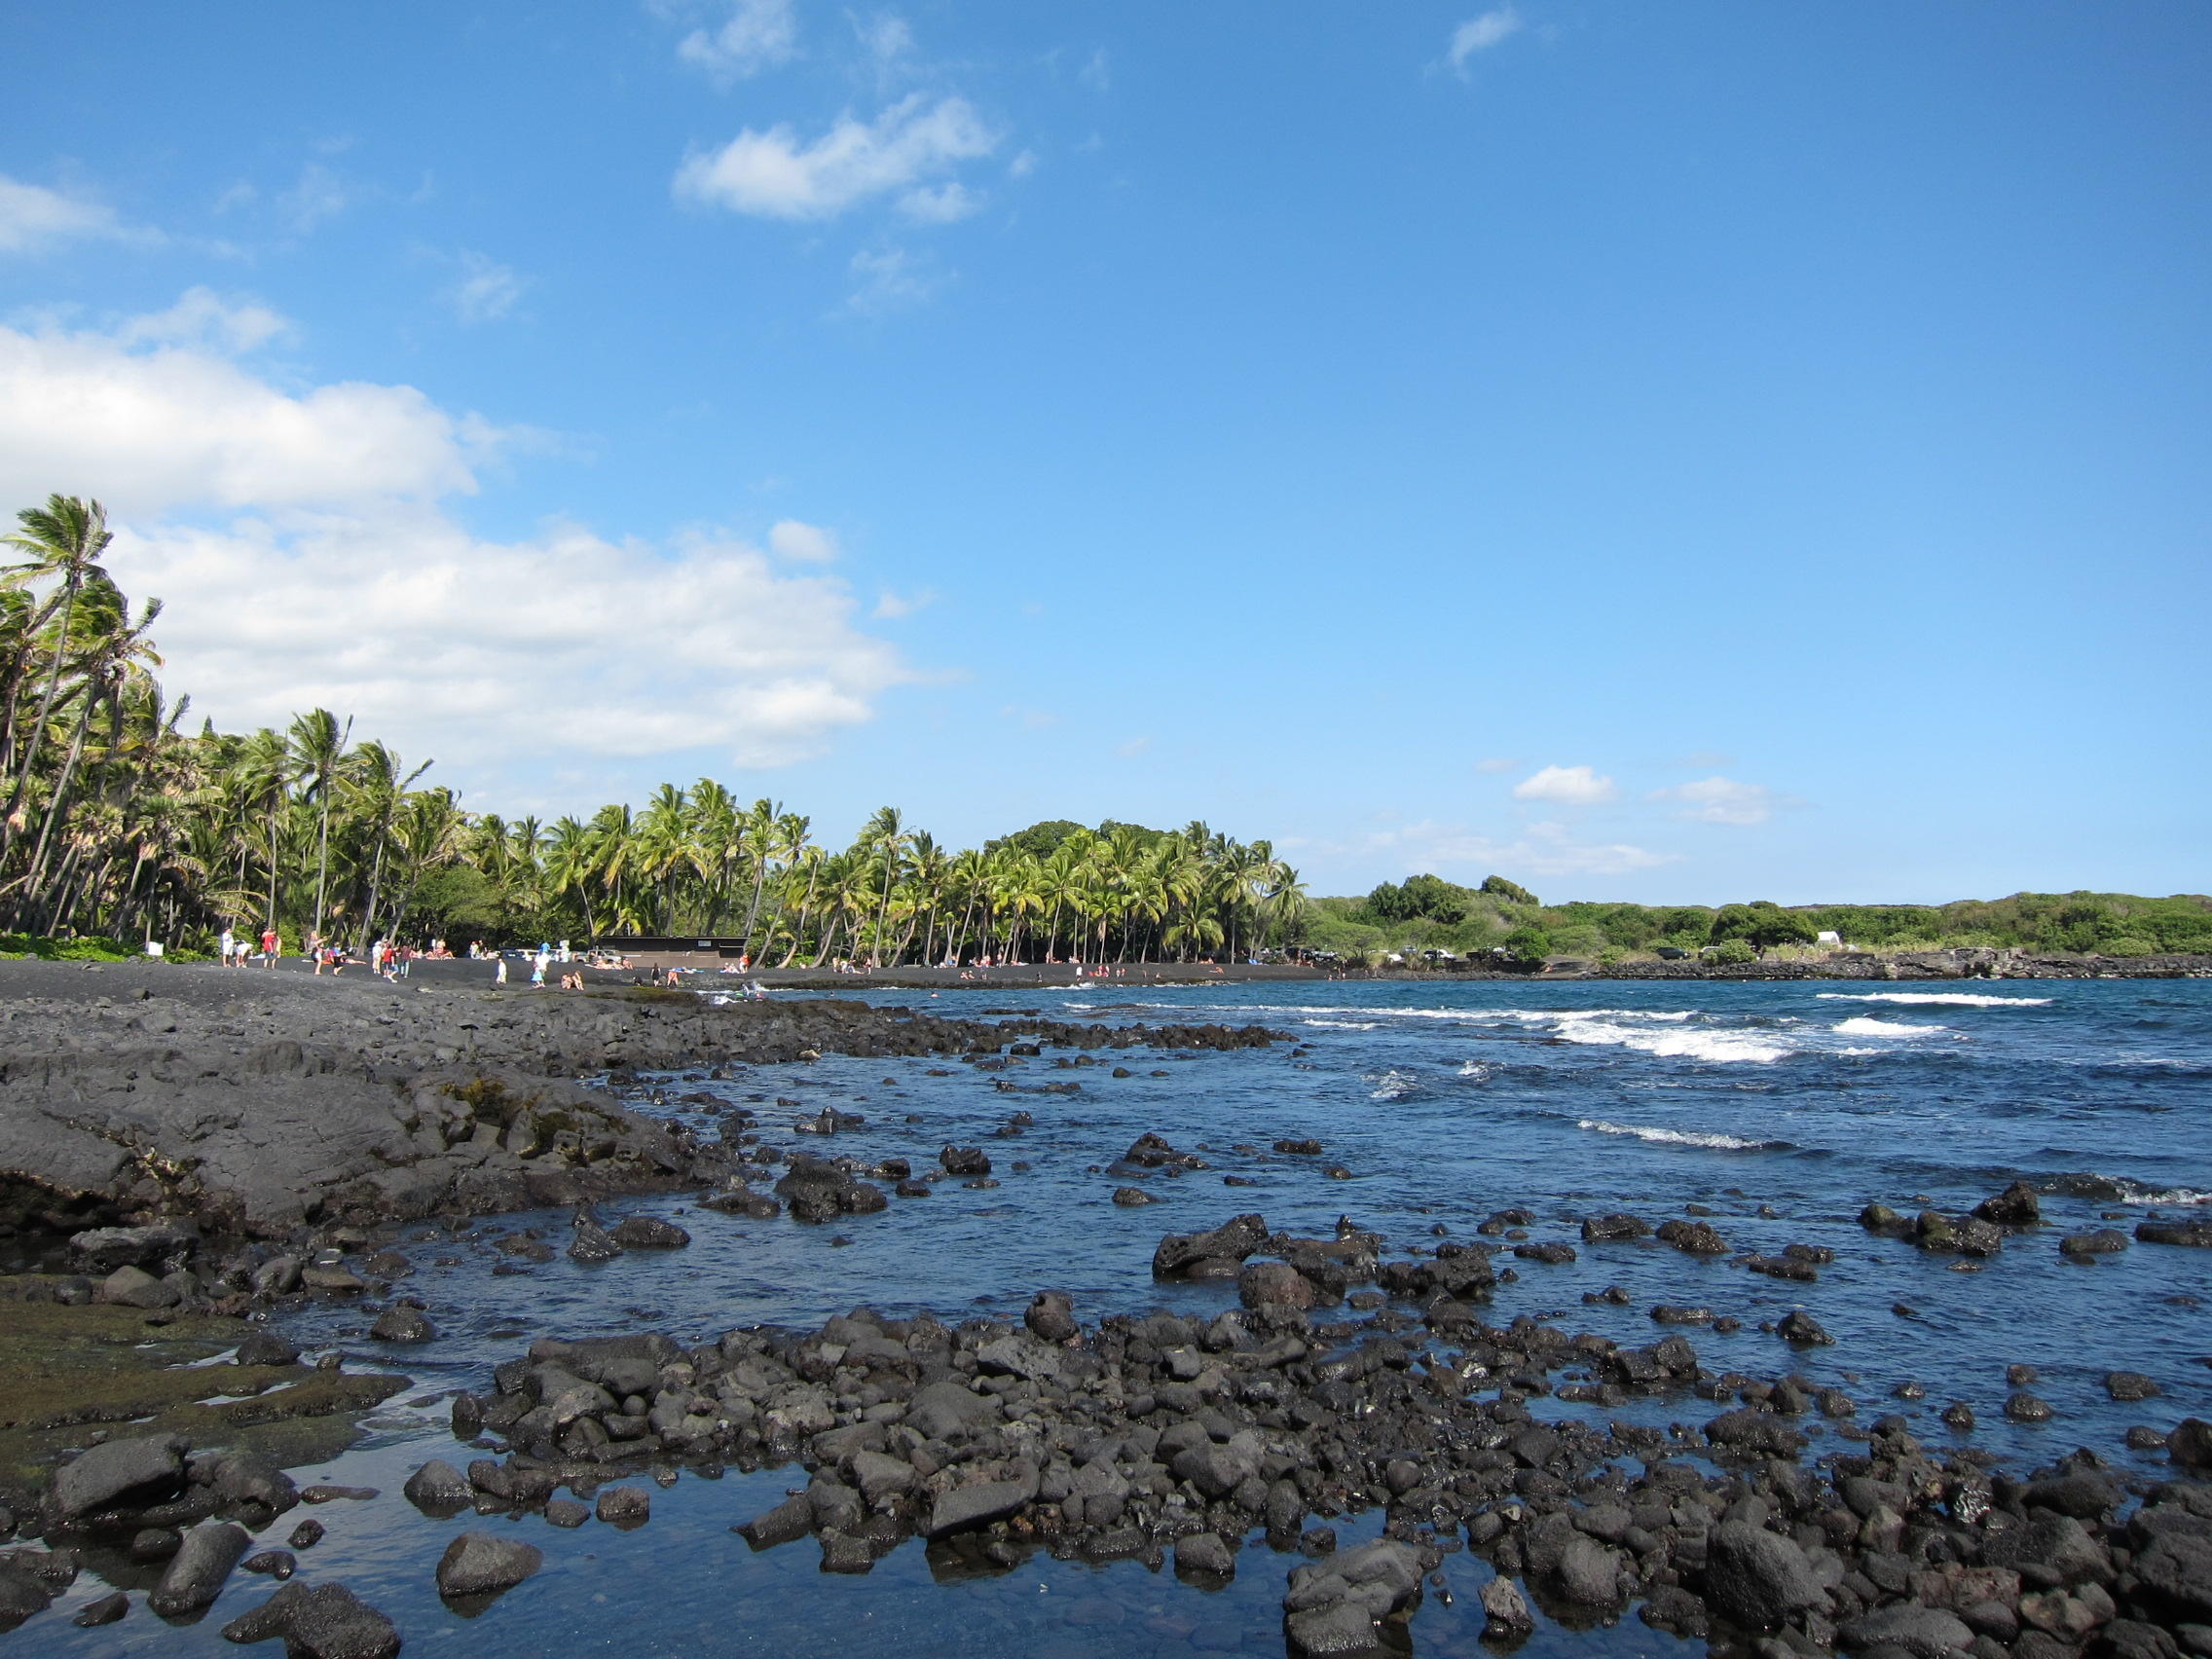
{"x":808,"y":543}
{"x":300,"y":541}
{"x":487,"y":291}
{"x":890,"y":607}
{"x":1565,"y":786}
{"x":1542,"y":850}
{"x":1722,"y":801}
{"x":1480,"y":34}
{"x":887,"y":280}
{"x":1496,"y":763}
{"x":886,"y":36}
{"x":756,"y":35}
{"x":1133,"y":748}
{"x":317,"y":195}
{"x":775,"y":174}
{"x":34,"y":219}
{"x":941,"y":203}
{"x":1032,"y":719}
{"x":157,"y":415}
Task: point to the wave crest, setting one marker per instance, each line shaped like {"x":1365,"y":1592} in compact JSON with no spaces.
{"x":1934,"y":999}
{"x":1712,"y":1141}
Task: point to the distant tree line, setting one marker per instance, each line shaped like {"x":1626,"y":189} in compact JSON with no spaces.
{"x":1425,"y":912}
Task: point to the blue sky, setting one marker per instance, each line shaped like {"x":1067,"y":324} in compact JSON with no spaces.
{"x":1681,"y":452}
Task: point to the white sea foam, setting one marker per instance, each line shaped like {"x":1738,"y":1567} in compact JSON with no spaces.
{"x":1393,"y":1086}
{"x":1864,"y":1028}
{"x":1667,"y":1016}
{"x":1721,"y":1048}
{"x":1676,"y":1138}
{"x":2177,"y":1196}
{"x":1934,"y":999}
{"x":1342,"y":1024}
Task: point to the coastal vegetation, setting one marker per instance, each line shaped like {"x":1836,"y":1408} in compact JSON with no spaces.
{"x":123,"y":825}
{"x":1426,"y":913}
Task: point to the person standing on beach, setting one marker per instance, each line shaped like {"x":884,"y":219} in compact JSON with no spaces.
{"x":537,"y":967}
{"x":499,"y":974}
{"x":229,"y":946}
{"x":269,"y":942}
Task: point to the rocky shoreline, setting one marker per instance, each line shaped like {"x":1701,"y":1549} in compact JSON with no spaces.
{"x":250,"y":1104}
{"x":1197,"y":1439}
{"x":213,"y":1151}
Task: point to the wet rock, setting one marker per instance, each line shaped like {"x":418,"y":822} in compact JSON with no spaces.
{"x":1337,"y":1604}
{"x":106,"y":1610}
{"x":400,"y":1323}
{"x":1556,"y":1253}
{"x":1880,"y":1218}
{"x":1800,"y":1328}
{"x":1505,"y":1612}
{"x":197,"y":1572}
{"x":2130,"y":1385}
{"x":120,"y":1473}
{"x":2046,"y":1551}
{"x":1298,"y":1148}
{"x":2104,"y":1241}
{"x":1613,"y":1228}
{"x":591,"y":1242}
{"x":978,"y":1504}
{"x":2191,"y":1445}
{"x":1050,"y":1316}
{"x":1150,"y":1152}
{"x":438,"y":1488}
{"x":327,"y":1621}
{"x":1693,"y":1238}
{"x":22,"y":1595}
{"x":566,"y":1513}
{"x":280,"y":1565}
{"x":1757,"y":1580}
{"x":790,"y":1520}
{"x":134,"y":1287}
{"x":624,"y":1506}
{"x":2173,"y":1576}
{"x":1130,"y":1196}
{"x":1751,"y":1430}
{"x":1212,"y":1254}
{"x":1204,"y":1556}
{"x":2016,"y":1206}
{"x":485,"y":1563}
{"x":155,"y":1543}
{"x":103,"y":1249}
{"x":2029,"y":1408}
{"x":1275,"y":1284}
{"x":649,"y":1232}
{"x":1924,"y":1633}
{"x":2197,"y":1233}
{"x":265,"y":1348}
{"x":964,"y":1160}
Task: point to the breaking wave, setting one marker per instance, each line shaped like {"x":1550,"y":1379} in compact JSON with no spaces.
{"x":1864,"y":1028}
{"x":1712,"y":1141}
{"x":1934,"y":999}
{"x":1719,"y":1048}
{"x":1393,"y":1086}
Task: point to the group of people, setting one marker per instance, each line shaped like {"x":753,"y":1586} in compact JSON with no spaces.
{"x":385,"y":959}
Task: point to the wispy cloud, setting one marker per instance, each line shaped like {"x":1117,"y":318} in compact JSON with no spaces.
{"x":487,"y":291}
{"x":1565,"y":786}
{"x":776,"y":175}
{"x":753,"y":35}
{"x":1480,"y":34}
{"x":888,"y":279}
{"x":1723,"y":800}
{"x":34,"y":219}
{"x":1134,"y":747}
{"x":1496,"y":763}
{"x":808,"y":543}
{"x":1031,"y":719}
{"x":1541,"y":850}
{"x":890,"y":607}
{"x":315,"y":196}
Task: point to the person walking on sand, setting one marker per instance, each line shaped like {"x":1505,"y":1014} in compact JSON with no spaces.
{"x":537,"y":967}
{"x":499,"y":974}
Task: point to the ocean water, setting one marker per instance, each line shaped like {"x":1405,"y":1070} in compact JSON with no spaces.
{"x":1780,"y":1107}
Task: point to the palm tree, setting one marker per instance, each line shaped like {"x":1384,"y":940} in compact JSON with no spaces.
{"x":884,"y":836}
{"x":317,"y":752}
{"x":64,"y":538}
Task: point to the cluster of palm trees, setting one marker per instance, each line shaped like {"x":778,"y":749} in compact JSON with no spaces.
{"x":697,"y":862}
{"x":122,"y":825}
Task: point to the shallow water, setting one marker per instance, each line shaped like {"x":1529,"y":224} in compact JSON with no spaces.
{"x":1446,"y":1102}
